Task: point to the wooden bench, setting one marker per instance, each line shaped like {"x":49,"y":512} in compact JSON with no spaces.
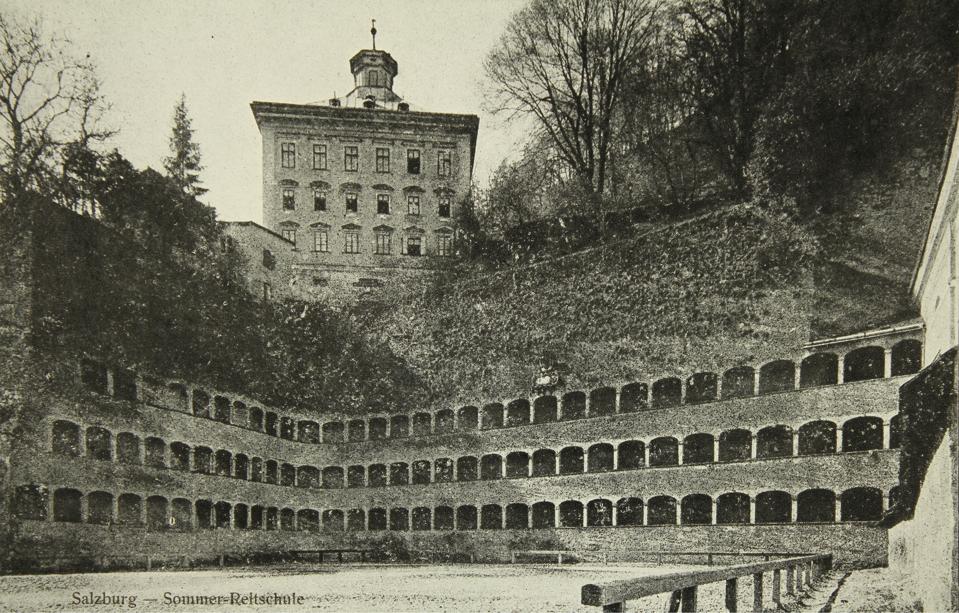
{"x":322,"y":552}
{"x":559,"y":553}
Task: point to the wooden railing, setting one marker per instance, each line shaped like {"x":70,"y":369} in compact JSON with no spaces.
{"x":683,"y":586}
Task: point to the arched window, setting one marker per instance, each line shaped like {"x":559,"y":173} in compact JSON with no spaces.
{"x":66,"y":505}
{"x":356,"y":476}
{"x":735,"y":445}
{"x":221,"y":409}
{"x":574,"y":406}
{"x":356,"y":430}
{"x":399,"y":473}
{"x":204,"y":514}
{"x":422,"y":424}
{"x":308,"y":431}
{"x":377,"y":428}
{"x":256,"y":469}
{"x":701,"y":387}
{"x":466,"y":517}
{"x":287,"y":428}
{"x":443,"y":470}
{"x":181,"y":511}
{"x":663,"y":451}
{"x":180,"y":456}
{"x":155,"y":452}
{"x":817,"y":437}
{"x":602,"y":401}
{"x":861,"y":504}
{"x":443,"y":518}
{"x":287,"y":475}
{"x":157,"y":511}
{"x":256,"y":419}
{"x":271,"y":474}
{"x":491,"y":467}
{"x":129,"y":508}
{"x":99,"y":443}
{"x":732,"y":508}
{"x":544,"y":409}
{"x":223,"y":463}
{"x":777,"y":376}
{"x":422,"y":518}
{"x":862,"y":434}
{"x":355,"y":520}
{"x":241,"y":415}
{"x":332,"y":432}
{"x":571,"y":514}
{"x":599,"y":458}
{"x":308,"y":520}
{"x":178,"y":398}
{"x":774,"y":442}
{"x":698,"y":448}
{"x":631,"y":455}
{"x":203,"y":460}
{"x":201,"y":403}
{"x":544,"y":462}
{"x":662,"y":511}
{"x":629,"y":512}
{"x":223,"y":515}
{"x":30,"y":502}
{"x":467,"y":418}
{"x":819,"y":369}
{"x":863,"y":364}
{"x":333,"y":520}
{"x":241,"y":466}
{"x":571,"y":460}
{"x":399,"y":426}
{"x":816,"y":505}
{"x":517,"y":413}
{"x":543,"y":515}
{"x":696,"y":509}
{"x":492,"y":416}
{"x":271,"y":423}
{"x":377,"y":519}
{"x":332,"y":477}
{"x":444,"y":421}
{"x":634,"y":397}
{"x":100,"y":508}
{"x":599,"y":512}
{"x":517,"y":464}
{"x":739,"y":382}
{"x":773,"y":507}
{"x":399,"y":519}
{"x":517,"y":516}
{"x":66,"y":438}
{"x":906,"y":357}
{"x":421,"y":472}
{"x":667,"y":392}
{"x":466,"y":469}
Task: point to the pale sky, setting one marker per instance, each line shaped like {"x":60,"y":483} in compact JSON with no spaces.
{"x":223,"y":54}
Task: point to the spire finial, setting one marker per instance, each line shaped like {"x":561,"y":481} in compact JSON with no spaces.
{"x":373,"y":32}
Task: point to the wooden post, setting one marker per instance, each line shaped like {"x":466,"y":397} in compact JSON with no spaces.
{"x":757,"y":592}
{"x":689,"y":599}
{"x":732,"y":596}
{"x":512,"y":557}
{"x":809,"y":567}
{"x":790,"y":583}
{"x":777,"y":578}
{"x":149,"y":563}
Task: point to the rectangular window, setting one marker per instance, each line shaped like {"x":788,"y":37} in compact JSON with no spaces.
{"x":289,"y":198}
{"x":319,"y":200}
{"x":444,"y":245}
{"x":383,"y":243}
{"x":290,"y":235}
{"x":351,"y":204}
{"x":321,"y":241}
{"x":351,"y":159}
{"x":445,"y":206}
{"x":413,"y":204}
{"x":351,"y":242}
{"x":414,"y":246}
{"x":268,"y":260}
{"x":413,"y":161}
{"x":444,"y":163}
{"x":382,"y":159}
{"x":288,"y":155}
{"x":319,"y":157}
{"x":383,"y":204}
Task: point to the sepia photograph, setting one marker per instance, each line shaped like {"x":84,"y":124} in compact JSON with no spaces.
{"x":479,"y":306}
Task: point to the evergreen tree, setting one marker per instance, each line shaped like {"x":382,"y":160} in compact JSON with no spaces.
{"x":183,"y":166}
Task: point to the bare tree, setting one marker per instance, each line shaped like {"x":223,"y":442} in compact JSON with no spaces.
{"x":565,"y":63}
{"x":48,"y":99}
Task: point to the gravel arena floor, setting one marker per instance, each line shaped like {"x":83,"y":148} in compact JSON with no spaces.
{"x":346,"y":588}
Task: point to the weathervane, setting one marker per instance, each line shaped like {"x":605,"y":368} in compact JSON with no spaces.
{"x":373,"y":32}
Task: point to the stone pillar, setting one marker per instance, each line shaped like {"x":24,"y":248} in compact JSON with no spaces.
{"x":456,"y":420}
{"x":887,"y":362}
{"x":109,"y":382}
{"x":558,"y":520}
{"x":752,"y":447}
{"x":84,"y":508}
{"x":795,"y":442}
{"x":618,"y":398}
{"x":886,"y":501}
{"x":529,"y":463}
{"x":837,"y":511}
{"x":679,"y":453}
{"x":886,"y":433}
{"x":615,"y":514}
{"x":556,"y":472}
{"x":715,"y":510}
{"x":719,"y":386}
{"x":752,"y":509}
{"x":389,"y":427}
{"x":756,"y":382}
{"x":115,"y":509}
{"x":645,"y":514}
{"x":646,"y":455}
{"x":682,"y":391}
{"x":797,"y":376}
{"x":793,"y":508}
{"x":841,"y":369}
{"x":143,"y":511}
{"x":615,"y":457}
{"x":838,"y":438}
{"x":715,"y":448}
{"x":585,"y":512}
{"x":678,"y":508}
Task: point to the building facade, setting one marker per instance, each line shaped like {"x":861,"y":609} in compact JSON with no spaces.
{"x":366,"y":188}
